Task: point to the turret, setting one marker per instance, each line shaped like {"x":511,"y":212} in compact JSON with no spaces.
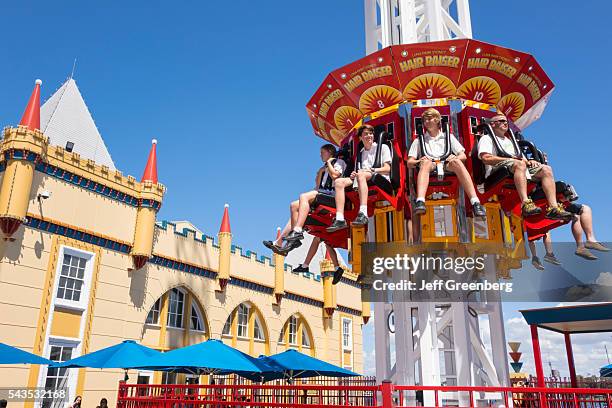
{"x":329,"y":290}
{"x":22,"y":148}
{"x":279,"y":273}
{"x":148,"y":204}
{"x":225,"y":249}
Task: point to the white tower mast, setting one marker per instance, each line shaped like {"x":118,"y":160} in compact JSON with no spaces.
{"x":435,"y":344}
{"x":389,"y":22}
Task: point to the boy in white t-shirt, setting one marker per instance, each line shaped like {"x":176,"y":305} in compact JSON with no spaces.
{"x":299,"y":209}
{"x":518,"y":165}
{"x":363,"y":173}
{"x":435,"y":146}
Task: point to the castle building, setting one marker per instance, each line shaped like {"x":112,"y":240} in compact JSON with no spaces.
{"x":85,"y":264}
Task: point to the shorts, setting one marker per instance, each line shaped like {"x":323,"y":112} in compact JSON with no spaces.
{"x":574,"y":208}
{"x":326,"y":192}
{"x":509,"y":165}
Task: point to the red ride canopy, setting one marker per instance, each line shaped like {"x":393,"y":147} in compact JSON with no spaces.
{"x":510,"y":80}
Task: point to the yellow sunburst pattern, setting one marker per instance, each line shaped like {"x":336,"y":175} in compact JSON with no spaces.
{"x":512,"y":105}
{"x":480,"y":89}
{"x":429,"y":86}
{"x":336,"y":136}
{"x":346,"y":117}
{"x":378,"y":97}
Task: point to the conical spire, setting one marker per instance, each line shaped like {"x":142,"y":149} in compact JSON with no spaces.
{"x":278,"y":234}
{"x":225,"y":224}
{"x":150,"y":172}
{"x":31,"y":116}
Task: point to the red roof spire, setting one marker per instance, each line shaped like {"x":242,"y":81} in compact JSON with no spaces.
{"x":150,"y":172}
{"x":31,"y":116}
{"x":278,"y":233}
{"x":327,"y":254}
{"x":225,"y":225}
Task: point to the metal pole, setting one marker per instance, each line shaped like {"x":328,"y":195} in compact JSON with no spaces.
{"x":537,"y":356}
{"x":570,"y":360}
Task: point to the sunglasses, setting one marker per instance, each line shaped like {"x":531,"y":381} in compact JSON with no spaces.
{"x":500,"y":121}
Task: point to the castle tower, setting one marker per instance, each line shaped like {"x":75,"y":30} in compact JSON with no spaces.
{"x":149,"y":203}
{"x":279,"y":273}
{"x":225,"y":249}
{"x":22,"y":149}
{"x":327,"y":275}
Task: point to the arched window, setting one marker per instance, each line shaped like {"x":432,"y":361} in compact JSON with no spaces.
{"x":296,"y":334}
{"x":246,"y":327}
{"x":178,"y":301}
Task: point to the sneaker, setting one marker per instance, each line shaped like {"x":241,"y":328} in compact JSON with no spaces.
{"x":479,"y":210}
{"x":336,"y":226}
{"x":269,"y":244}
{"x":285,"y":249}
{"x":551,"y":258}
{"x":294,"y":236}
{"x":535,"y":261}
{"x":558,"y":213}
{"x":360,"y":220}
{"x":337,"y":275}
{"x":596,"y":246}
{"x":529,"y":208}
{"x":585,"y":253}
{"x":301,"y":269}
{"x":419,"y":208}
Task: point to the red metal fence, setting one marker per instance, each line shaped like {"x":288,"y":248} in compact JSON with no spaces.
{"x":385,"y":395}
{"x":565,"y":382}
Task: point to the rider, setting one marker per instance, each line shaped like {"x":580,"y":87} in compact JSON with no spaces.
{"x":363,"y":173}
{"x":434,"y":141}
{"x":326,"y":178}
{"x":512,"y":159}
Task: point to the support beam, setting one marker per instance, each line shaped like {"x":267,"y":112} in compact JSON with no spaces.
{"x":537,"y":356}
{"x":570,"y":360}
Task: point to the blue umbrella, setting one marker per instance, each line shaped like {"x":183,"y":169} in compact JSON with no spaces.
{"x":293,"y":364}
{"x":124,"y":355}
{"x":606,"y":371}
{"x":13,"y":355}
{"x":208,"y":357}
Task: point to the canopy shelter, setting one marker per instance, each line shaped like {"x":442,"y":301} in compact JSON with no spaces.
{"x":590,"y":318}
{"x":123,"y":355}
{"x":292,"y":364}
{"x":13,"y":355}
{"x":511,"y":81}
{"x":606,"y":371}
{"x":208,"y":357}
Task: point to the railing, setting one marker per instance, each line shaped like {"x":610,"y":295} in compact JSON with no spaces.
{"x":385,"y":395}
{"x":233,"y":379}
{"x":565,"y":382}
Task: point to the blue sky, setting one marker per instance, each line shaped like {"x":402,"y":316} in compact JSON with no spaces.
{"x":222,"y":86}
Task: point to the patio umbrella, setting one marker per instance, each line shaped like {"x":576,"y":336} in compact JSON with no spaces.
{"x":293,"y":364}
{"x":208,"y":357}
{"x":606,"y":371}
{"x":13,"y":355}
{"x":124,"y":355}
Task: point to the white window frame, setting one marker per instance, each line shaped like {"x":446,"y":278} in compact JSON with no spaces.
{"x":80,"y":305}
{"x":257,"y":324}
{"x":170,"y":309}
{"x":158,"y":313}
{"x":306,"y":335}
{"x":295,"y":333}
{"x":228,"y":323}
{"x":71,"y":382}
{"x":199,"y":315}
{"x":247,"y":308}
{"x":349,"y":346}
